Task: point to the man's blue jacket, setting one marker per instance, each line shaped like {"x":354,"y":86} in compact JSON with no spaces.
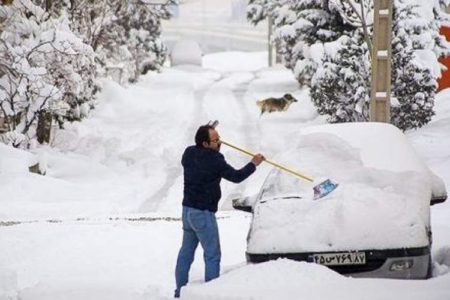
{"x":203,"y":170}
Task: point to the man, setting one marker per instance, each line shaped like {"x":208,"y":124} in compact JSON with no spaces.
{"x":204,"y":167}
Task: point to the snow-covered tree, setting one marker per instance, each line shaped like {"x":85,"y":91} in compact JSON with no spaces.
{"x":416,"y":45}
{"x":300,"y":27}
{"x":259,"y":10}
{"x":43,"y":70}
{"x":125,"y":34}
{"x":340,"y":86}
{"x":143,"y":18}
{"x":358,"y":13}
{"x":51,"y":52}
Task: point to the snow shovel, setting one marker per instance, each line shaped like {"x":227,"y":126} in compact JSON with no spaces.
{"x":320,"y":190}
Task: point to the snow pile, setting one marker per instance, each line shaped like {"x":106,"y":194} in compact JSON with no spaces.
{"x":289,"y":280}
{"x":264,"y":277}
{"x":442,"y":261}
{"x":186,"y":52}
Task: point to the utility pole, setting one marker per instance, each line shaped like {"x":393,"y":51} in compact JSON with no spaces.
{"x":380,"y":96}
{"x":269,"y":42}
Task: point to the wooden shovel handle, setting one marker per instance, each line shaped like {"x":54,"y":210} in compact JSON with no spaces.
{"x":270,"y":162}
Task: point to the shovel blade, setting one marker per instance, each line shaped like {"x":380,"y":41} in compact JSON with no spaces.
{"x":324,"y":188}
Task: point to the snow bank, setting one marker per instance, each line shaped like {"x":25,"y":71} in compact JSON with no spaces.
{"x":290,"y":280}
{"x":14,"y":161}
{"x":186,"y":52}
{"x":442,"y":261}
{"x":283,"y":277}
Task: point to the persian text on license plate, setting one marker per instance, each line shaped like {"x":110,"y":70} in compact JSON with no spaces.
{"x":343,"y":258}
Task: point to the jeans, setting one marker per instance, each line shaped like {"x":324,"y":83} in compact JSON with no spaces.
{"x":198,"y":226}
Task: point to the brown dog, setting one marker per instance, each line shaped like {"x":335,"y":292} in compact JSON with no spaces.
{"x":275,"y":104}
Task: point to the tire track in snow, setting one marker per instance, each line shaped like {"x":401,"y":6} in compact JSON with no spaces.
{"x":227,"y":101}
{"x":250,"y":127}
{"x":169,"y":194}
{"x":224,"y":95}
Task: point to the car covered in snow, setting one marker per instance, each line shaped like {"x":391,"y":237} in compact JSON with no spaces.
{"x":376,"y":223}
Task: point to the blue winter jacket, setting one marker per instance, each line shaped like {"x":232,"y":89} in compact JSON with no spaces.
{"x":203,"y":170}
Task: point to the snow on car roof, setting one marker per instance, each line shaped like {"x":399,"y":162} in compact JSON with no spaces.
{"x":381,"y":145}
{"x":377,"y":205}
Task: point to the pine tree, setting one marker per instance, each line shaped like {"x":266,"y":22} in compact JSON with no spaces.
{"x":414,"y":82}
{"x":259,"y":10}
{"x":340,"y":86}
{"x":301,"y":26}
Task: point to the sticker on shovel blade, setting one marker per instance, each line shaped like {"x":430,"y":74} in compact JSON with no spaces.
{"x":324,"y":188}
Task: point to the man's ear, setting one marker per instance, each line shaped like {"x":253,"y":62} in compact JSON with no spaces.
{"x":205,"y":144}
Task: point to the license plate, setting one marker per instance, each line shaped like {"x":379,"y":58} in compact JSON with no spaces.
{"x":338,"y":259}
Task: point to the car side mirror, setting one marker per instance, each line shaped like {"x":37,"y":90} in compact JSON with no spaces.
{"x":439,"y":192}
{"x":239,"y":206}
{"x":438,"y":200}
{"x":244,"y":203}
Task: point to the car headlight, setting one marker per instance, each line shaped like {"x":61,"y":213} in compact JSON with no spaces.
{"x":401,"y":265}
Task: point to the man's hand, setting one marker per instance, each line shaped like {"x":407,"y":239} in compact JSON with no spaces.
{"x":257,"y":159}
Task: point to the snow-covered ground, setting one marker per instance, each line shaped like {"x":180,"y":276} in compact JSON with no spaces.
{"x":104,"y":221}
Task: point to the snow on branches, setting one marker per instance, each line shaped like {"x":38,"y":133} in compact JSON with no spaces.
{"x":340,"y":86}
{"x":52,"y":52}
{"x":125,"y":35}
{"x":416,"y":46}
{"x":41,"y":70}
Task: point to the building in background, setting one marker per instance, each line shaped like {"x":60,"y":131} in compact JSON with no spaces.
{"x":444,"y":81}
